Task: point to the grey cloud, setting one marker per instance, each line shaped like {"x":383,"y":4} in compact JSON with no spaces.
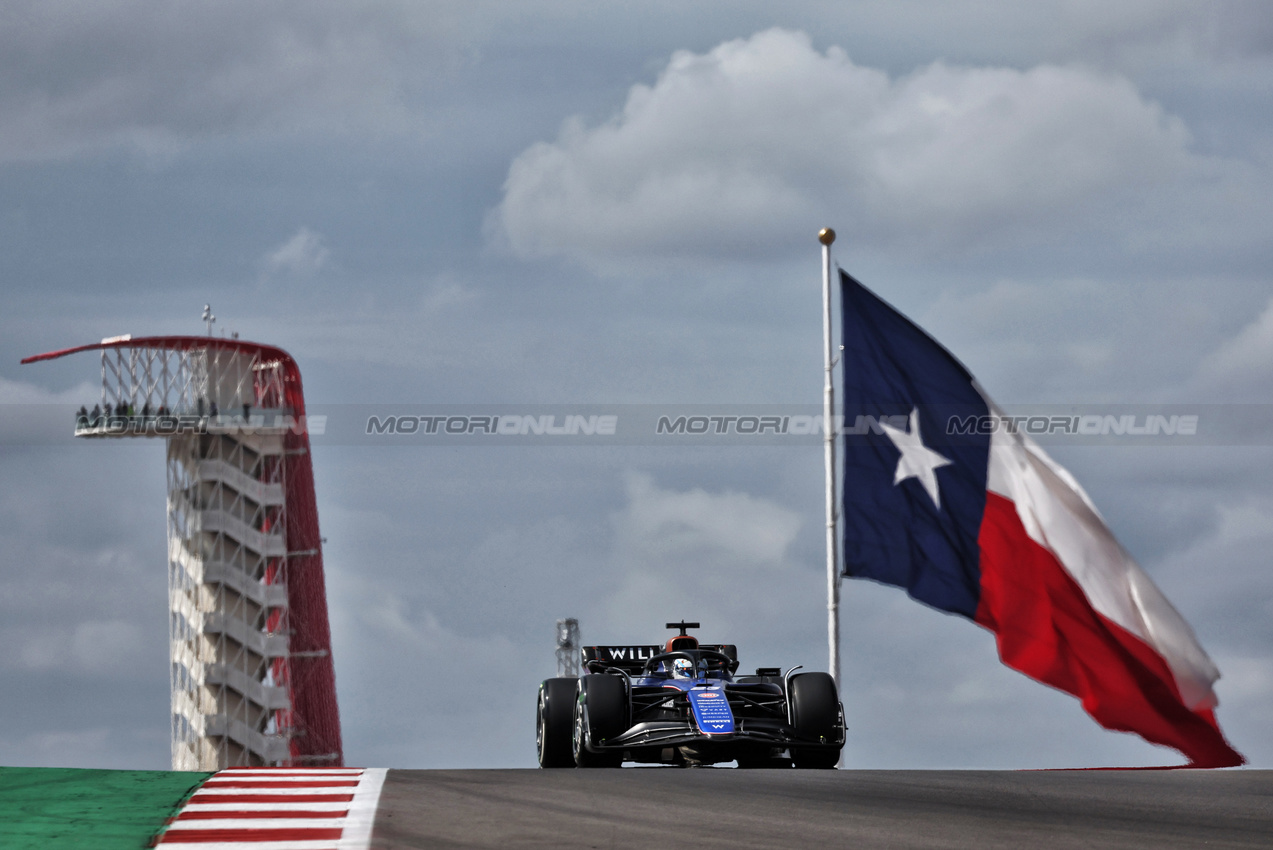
{"x":80,"y":78}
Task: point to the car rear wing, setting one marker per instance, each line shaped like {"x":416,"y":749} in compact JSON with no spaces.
{"x":631,"y":659}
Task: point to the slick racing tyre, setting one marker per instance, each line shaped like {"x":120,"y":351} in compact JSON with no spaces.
{"x":554,"y":719}
{"x":601,"y":713}
{"x":815,"y":712}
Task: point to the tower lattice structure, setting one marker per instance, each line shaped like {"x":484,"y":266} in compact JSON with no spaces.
{"x":252,"y":678}
{"x":568,"y":647}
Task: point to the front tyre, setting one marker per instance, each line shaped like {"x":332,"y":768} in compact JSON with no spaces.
{"x":815,"y":715}
{"x":601,"y":713}
{"x":554,"y":719}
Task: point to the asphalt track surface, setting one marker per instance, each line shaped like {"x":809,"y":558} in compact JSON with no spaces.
{"x":709,"y":808}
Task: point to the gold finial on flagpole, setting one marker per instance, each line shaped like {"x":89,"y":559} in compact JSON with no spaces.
{"x":826,"y":236}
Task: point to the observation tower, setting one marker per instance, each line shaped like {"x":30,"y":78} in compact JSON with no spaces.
{"x":251,"y":673}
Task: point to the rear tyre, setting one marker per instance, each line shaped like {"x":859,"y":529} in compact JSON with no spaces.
{"x":815,"y":714}
{"x":601,"y":713}
{"x":554,"y":720}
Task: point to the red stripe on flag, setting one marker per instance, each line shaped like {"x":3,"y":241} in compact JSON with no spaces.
{"x":198,"y":814}
{"x":208,"y":836}
{"x":1046,"y":628}
{"x":272,"y":798}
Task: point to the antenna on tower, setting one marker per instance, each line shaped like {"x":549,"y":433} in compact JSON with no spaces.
{"x":568,"y":647}
{"x":208,"y":318}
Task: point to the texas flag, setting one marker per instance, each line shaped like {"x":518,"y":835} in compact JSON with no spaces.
{"x":979,"y":521}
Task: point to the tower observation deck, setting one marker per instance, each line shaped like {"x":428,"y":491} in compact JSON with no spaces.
{"x":250,"y":646}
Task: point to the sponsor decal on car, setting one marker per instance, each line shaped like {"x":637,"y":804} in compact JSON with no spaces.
{"x":711,"y":713}
{"x":625,"y":653}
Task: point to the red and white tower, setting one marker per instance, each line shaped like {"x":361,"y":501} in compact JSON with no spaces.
{"x":250,"y":646}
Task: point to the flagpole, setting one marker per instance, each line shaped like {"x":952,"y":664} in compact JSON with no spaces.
{"x":826,"y":236}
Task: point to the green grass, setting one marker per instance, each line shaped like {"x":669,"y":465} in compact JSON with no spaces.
{"x":53,"y":808}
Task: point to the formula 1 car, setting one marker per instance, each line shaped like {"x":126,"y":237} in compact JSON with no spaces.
{"x":681,"y":704}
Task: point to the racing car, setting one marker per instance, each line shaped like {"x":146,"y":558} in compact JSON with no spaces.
{"x":681,"y":704}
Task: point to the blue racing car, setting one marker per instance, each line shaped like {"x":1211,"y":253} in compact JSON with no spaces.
{"x":682,"y":704}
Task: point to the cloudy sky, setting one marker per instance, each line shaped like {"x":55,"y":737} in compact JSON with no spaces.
{"x":580,"y":203}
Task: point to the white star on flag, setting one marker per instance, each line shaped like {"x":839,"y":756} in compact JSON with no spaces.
{"x":917,"y":460}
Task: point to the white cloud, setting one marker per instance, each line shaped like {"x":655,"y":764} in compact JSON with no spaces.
{"x":767,"y":129}
{"x":666,"y":523}
{"x":444,"y":294}
{"x":721,"y":558}
{"x":1243,"y":365}
{"x":303,"y":255}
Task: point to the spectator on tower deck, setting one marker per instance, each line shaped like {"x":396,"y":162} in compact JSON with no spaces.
{"x":96,"y":415}
{"x":199,"y":406}
{"x":214,"y":409}
{"x":81,"y":417}
{"x":145,"y":409}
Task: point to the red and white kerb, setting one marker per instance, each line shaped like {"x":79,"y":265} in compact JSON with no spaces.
{"x":279,"y":809}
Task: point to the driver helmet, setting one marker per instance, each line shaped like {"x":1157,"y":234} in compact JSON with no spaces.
{"x":682,"y":668}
